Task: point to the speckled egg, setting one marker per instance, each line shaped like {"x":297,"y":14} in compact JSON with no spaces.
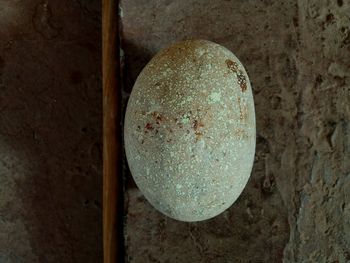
{"x":190,"y":130}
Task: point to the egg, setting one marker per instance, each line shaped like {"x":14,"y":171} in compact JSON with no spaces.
{"x":189,"y":130}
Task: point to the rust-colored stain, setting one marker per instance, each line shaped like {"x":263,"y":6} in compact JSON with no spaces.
{"x":233,"y":66}
{"x":243,"y":110}
{"x":198,"y":135}
{"x":240,"y":133}
{"x":149,"y":126}
{"x":158,"y":117}
{"x":196,"y":125}
{"x":242,"y":81}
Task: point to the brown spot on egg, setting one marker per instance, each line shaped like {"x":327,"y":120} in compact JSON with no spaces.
{"x":198,"y":135}
{"x":158,"y":117}
{"x":242,"y":81}
{"x":240,"y":134}
{"x":149,"y":126}
{"x":197,"y":124}
{"x":233,"y":66}
{"x":243,"y":110}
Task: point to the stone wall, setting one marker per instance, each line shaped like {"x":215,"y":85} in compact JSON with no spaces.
{"x":296,"y":206}
{"x":50,"y":131}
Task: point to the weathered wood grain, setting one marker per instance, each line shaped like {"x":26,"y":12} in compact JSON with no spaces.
{"x":112,"y":146}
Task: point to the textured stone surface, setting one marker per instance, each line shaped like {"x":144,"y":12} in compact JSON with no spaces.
{"x":50,"y":131}
{"x":190,"y":130}
{"x":296,"y":206}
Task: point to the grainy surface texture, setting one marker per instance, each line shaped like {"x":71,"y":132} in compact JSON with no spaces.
{"x":50,"y":131}
{"x":190,"y":130}
{"x":296,"y":206}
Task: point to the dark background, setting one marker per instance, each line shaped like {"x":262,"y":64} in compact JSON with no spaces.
{"x":50,"y":131}
{"x":296,"y":206}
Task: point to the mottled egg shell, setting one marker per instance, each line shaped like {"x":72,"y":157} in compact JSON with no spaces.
{"x":190,"y":130}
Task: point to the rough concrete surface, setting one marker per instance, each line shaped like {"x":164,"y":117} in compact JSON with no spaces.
{"x":296,"y":206}
{"x":50,"y":131}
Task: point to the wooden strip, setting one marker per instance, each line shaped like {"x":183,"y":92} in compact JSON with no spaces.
{"x":112,"y":147}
